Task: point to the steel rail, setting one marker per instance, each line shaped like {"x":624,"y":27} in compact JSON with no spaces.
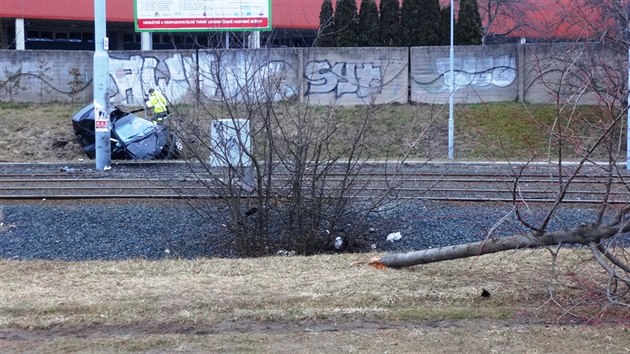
{"x":214,"y":197}
{"x":441,"y":195}
{"x":426,"y":187}
{"x":333,"y":174}
{"x":368,"y":178}
{"x":351,"y":189}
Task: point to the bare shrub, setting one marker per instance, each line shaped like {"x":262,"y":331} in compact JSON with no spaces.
{"x":284,"y":171}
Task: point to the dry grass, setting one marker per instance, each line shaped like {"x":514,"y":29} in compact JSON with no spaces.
{"x":38,"y":133}
{"x":488,"y":132}
{"x":43,"y":133}
{"x":308,"y":304}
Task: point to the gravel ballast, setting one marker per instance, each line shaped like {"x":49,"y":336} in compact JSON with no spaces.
{"x":152,"y":230}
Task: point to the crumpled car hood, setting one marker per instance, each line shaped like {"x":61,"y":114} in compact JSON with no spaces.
{"x":147,"y":147}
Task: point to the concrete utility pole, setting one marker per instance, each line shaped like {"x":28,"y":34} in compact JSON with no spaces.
{"x":101,"y":83}
{"x":451,"y":120}
{"x":627,"y":38}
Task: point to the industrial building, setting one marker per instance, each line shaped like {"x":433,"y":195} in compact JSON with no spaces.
{"x":69,"y":24}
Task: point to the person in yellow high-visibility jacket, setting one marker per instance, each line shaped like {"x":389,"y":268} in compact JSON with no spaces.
{"x":158,"y":102}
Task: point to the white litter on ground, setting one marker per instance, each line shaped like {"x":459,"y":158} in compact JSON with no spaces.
{"x":393,"y":237}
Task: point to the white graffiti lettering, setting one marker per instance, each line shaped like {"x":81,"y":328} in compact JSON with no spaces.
{"x":343,"y":78}
{"x":238,"y":77}
{"x":478,"y":72}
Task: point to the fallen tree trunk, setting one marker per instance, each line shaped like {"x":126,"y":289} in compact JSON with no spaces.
{"x":579,"y":235}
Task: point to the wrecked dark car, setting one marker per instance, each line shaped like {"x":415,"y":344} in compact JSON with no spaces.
{"x":132,"y":137}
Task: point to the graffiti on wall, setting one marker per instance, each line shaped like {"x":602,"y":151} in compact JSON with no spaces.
{"x":245,"y":77}
{"x":473,"y":72}
{"x":41,"y":80}
{"x":342,"y":78}
{"x":132,"y":77}
{"x":215,"y":77}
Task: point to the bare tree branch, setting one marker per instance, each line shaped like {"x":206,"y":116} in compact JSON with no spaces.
{"x":580,"y":235}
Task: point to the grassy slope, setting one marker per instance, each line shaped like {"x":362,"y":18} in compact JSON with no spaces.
{"x":36,"y":132}
{"x":504,"y":130}
{"x":515,"y":131}
{"x":486,"y":132}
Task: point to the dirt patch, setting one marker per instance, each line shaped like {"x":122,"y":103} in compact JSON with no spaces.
{"x":478,"y":336}
{"x":264,"y":327}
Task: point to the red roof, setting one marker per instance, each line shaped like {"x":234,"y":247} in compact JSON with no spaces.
{"x":117,"y":10}
{"x":285,"y":13}
{"x":532,"y":18}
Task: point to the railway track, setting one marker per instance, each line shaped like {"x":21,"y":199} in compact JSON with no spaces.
{"x":154,"y":181}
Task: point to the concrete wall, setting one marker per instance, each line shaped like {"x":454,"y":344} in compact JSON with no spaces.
{"x":576,"y":73}
{"x":355,"y":76}
{"x":45,"y":76}
{"x":482,"y":74}
{"x":323,"y":76}
{"x":213,"y":75}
